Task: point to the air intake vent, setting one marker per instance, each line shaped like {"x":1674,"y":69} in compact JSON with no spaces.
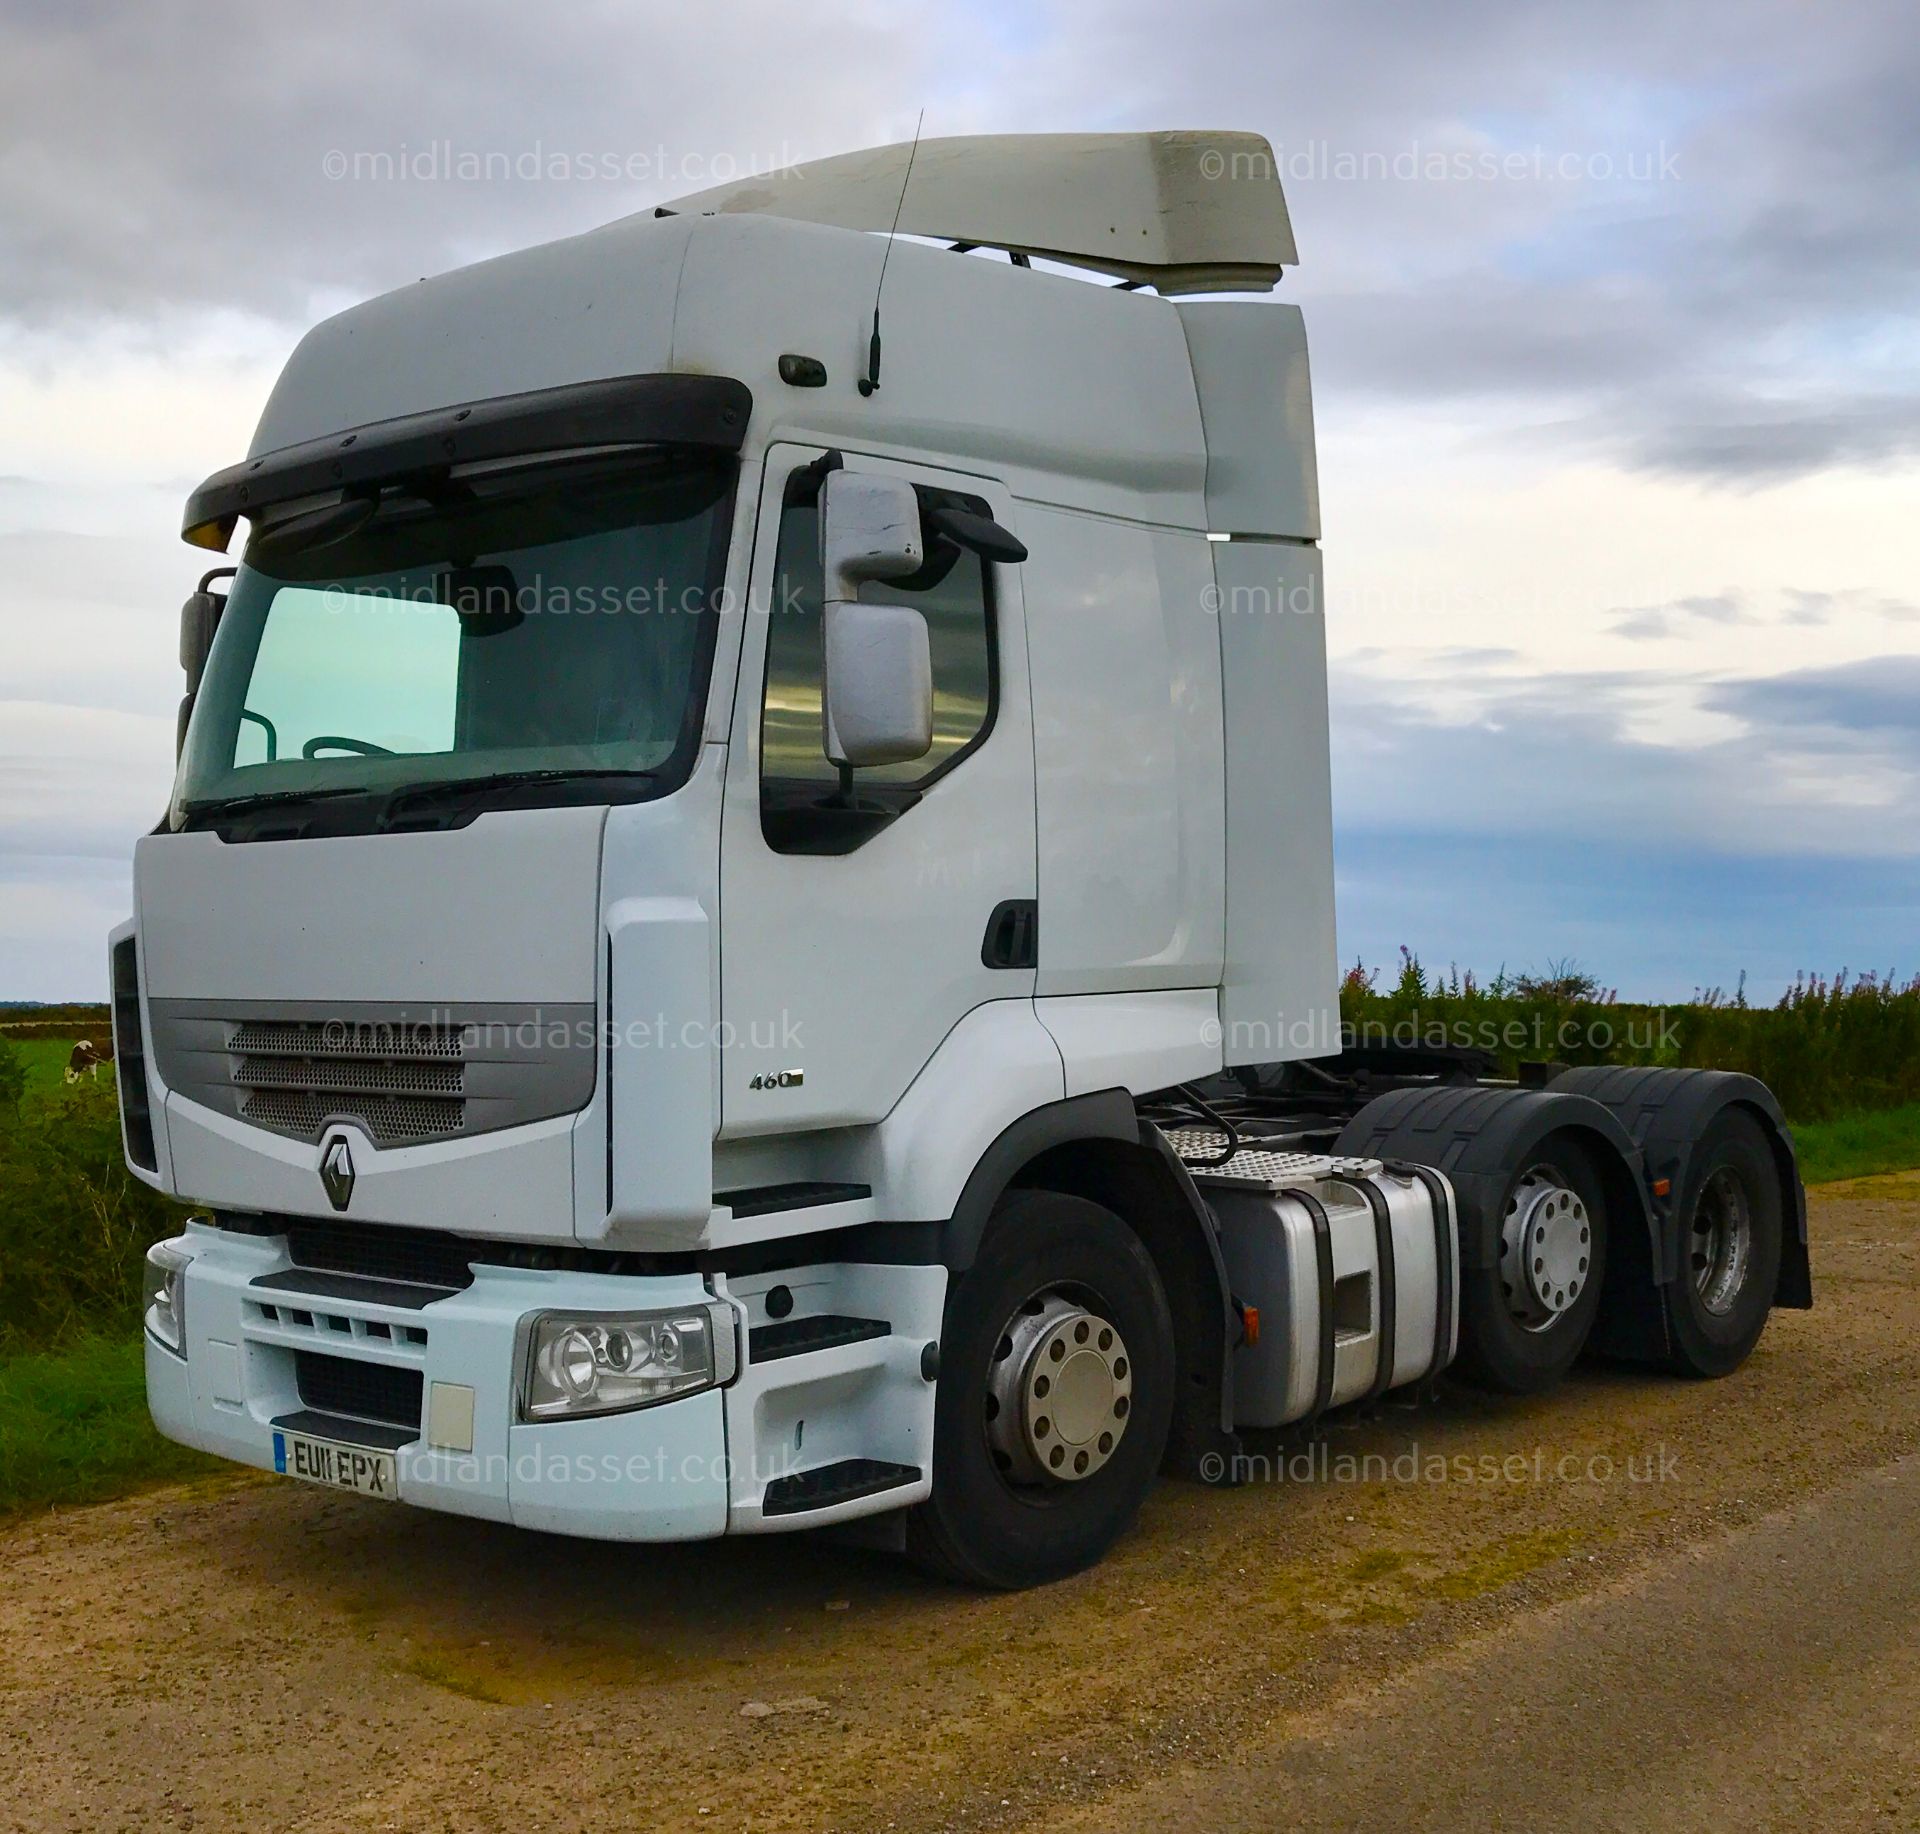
{"x":361,"y":1391}
{"x":424,"y":1257}
{"x":130,"y":1058}
{"x":401,"y":1082}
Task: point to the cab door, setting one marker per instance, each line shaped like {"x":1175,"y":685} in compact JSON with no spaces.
{"x":857,"y":929}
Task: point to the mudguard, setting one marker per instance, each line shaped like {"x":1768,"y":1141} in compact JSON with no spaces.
{"x":1480,"y":1135}
{"x":1666,"y":1112}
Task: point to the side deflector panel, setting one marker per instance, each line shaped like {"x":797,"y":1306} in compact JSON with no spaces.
{"x":1256,"y":406}
{"x":659,"y":1073}
{"x":1279,"y":994}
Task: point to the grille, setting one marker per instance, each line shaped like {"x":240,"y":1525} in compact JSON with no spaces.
{"x":353,"y":1076}
{"x":402,"y":1082}
{"x":422,"y":1256}
{"x":338,"y":1038}
{"x":362,"y":1391}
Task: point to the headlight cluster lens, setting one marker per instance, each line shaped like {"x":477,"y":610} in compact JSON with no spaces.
{"x":163,"y":1295}
{"x":603,"y":1365}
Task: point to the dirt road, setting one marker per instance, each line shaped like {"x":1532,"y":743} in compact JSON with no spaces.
{"x":1633,"y":1604}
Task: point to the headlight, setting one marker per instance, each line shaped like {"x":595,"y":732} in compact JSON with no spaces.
{"x":604,"y":1363}
{"x":163,"y":1295}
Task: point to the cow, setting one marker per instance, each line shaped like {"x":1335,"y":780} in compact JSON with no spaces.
{"x":85,"y":1058}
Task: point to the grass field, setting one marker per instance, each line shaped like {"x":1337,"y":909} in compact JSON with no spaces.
{"x":1860,"y":1145}
{"x":46,"y":1064}
{"x":74,"y":1428}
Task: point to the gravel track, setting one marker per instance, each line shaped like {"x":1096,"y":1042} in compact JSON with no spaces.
{"x":251,"y":1651}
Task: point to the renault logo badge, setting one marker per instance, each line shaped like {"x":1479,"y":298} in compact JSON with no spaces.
{"x":336,"y":1172}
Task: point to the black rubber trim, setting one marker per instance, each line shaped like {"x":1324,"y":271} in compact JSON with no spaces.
{"x":1446,"y":1289}
{"x":1323,"y":1265}
{"x":798,"y":1336}
{"x":1197,"y":1210}
{"x":770,"y":1199}
{"x":1389,"y":1296}
{"x":826,"y":1485}
{"x":1106,"y":1114}
{"x":344,"y":1431}
{"x":310,"y":1283}
{"x":701,"y":412}
{"x":130,"y":1052}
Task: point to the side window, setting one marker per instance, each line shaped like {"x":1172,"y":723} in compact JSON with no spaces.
{"x":802,"y":809}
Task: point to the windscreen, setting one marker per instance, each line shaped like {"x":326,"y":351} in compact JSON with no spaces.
{"x":552,"y":618}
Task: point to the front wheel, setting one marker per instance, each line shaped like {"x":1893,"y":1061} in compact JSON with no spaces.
{"x":1056,"y":1394}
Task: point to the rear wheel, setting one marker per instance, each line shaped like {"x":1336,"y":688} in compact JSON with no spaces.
{"x":1524,"y":1319}
{"x":1731,"y":1238}
{"x":1056,"y":1392}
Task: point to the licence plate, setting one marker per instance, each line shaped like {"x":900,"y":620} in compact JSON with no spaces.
{"x":324,"y":1461}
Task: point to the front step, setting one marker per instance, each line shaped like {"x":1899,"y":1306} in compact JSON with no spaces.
{"x":831,"y":1415}
{"x":796,"y":1336}
{"x":828,"y":1485}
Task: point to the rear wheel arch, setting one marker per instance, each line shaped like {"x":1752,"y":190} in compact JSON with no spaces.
{"x":1479,"y":1135}
{"x":1485,"y":1138}
{"x":1668,"y":1112}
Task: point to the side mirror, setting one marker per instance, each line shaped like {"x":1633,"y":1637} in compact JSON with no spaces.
{"x":879,"y":684}
{"x":979,"y":535}
{"x":869,"y":529}
{"x":878,"y":674}
{"x":199,"y":619}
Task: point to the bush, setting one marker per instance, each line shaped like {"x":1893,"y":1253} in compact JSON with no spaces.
{"x":1826,"y":1047}
{"x":74,"y":1224}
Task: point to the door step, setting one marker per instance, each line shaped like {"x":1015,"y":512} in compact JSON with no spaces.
{"x":827,"y":1485}
{"x":796,"y":1336}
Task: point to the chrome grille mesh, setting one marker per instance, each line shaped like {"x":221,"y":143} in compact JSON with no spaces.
{"x":339,"y":1038}
{"x":402,"y":1082}
{"x":352,"y":1076}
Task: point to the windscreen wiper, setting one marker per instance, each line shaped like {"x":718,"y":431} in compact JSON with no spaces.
{"x":426,"y":795}
{"x":266,"y":799}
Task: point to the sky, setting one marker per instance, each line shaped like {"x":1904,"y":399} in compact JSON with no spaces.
{"x":1615,"y":322}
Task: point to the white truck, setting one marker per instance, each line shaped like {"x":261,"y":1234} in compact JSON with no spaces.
{"x":744,"y":939}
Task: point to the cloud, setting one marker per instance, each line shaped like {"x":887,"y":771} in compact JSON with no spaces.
{"x":1652,"y":622}
{"x":1873,"y":703}
{"x":1738,"y":313}
{"x":171,"y":158}
{"x":1806,"y":765}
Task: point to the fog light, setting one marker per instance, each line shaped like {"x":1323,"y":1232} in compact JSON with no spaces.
{"x":607,"y":1364}
{"x":163,"y":1295}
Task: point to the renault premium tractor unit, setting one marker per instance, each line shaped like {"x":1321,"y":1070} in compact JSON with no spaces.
{"x":744,"y":938}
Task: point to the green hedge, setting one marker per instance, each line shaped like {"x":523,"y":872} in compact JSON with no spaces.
{"x":1827,"y":1047}
{"x":74,"y":1225}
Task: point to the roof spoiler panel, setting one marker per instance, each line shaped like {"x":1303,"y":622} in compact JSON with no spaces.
{"x":1183,"y":212}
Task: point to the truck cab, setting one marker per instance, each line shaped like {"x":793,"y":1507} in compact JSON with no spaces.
{"x":750,"y":874}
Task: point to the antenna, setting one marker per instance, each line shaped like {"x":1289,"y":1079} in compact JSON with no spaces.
{"x":871,"y":380}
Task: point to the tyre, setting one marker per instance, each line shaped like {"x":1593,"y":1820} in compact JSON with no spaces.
{"x":1055,"y":1397}
{"x":1732,"y":1234}
{"x":1524,"y":1319}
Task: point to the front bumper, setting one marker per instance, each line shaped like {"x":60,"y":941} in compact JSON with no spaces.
{"x":658,"y":1473}
{"x":703,"y":1464}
